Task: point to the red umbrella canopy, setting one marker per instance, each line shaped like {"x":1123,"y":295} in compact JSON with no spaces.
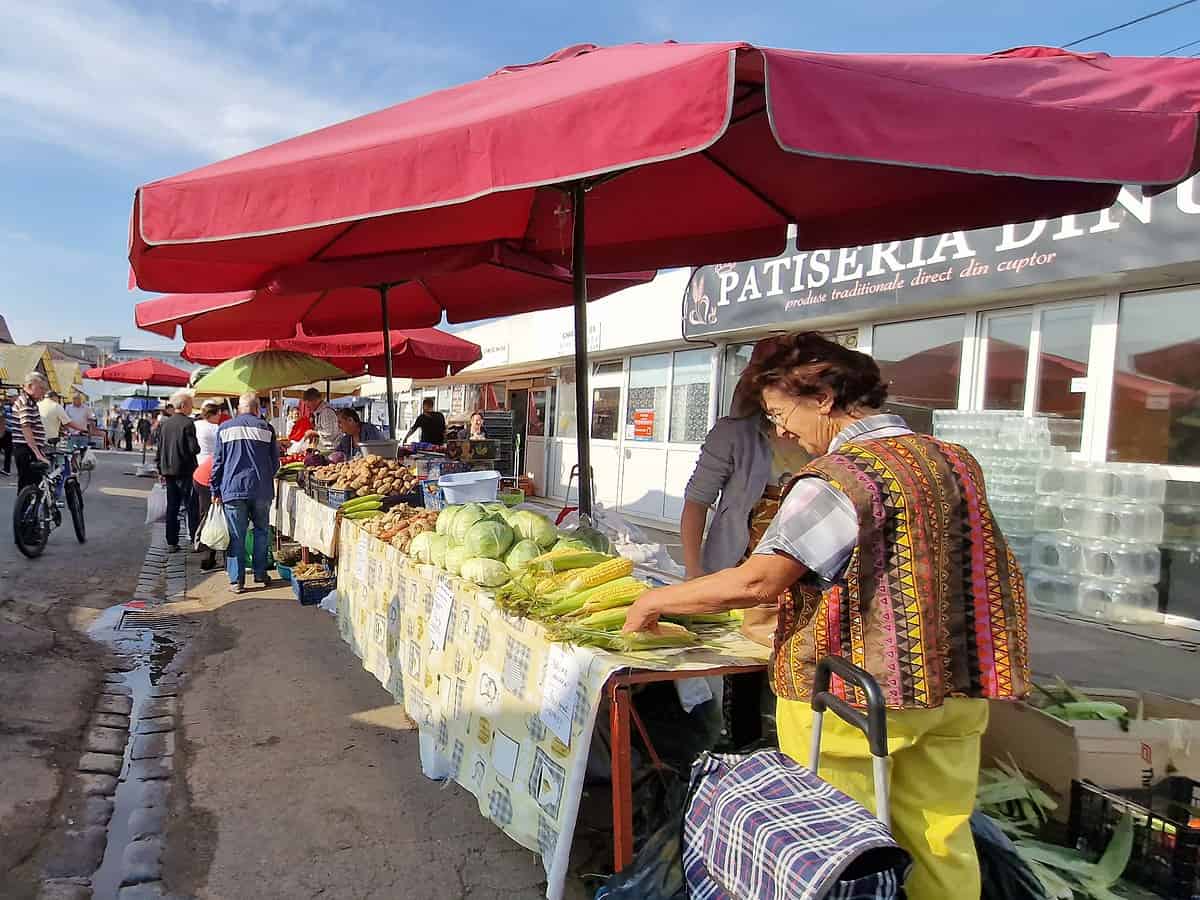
{"x":141,"y":371}
{"x":691,"y":153}
{"x":419,"y":353}
{"x":466,"y":282}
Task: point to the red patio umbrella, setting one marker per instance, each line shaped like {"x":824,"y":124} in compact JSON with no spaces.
{"x":417,"y":353}
{"x":686,"y":154}
{"x":147,"y":371}
{"x":141,"y":371}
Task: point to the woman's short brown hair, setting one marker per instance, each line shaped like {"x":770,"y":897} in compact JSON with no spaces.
{"x":805,"y":363}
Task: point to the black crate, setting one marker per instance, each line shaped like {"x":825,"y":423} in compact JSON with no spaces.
{"x":1166,"y":846}
{"x":311,"y":591}
{"x":335,"y":497}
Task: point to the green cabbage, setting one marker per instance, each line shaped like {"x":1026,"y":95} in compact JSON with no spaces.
{"x":494,"y":509}
{"x":564,"y":544}
{"x":437,"y":550}
{"x":445,"y":519}
{"x":455,"y":557}
{"x":533,"y":527}
{"x":467,"y":516}
{"x":419,"y":548}
{"x":589,"y":537}
{"x":486,"y":572}
{"x":521,"y":553}
{"x":488,"y":538}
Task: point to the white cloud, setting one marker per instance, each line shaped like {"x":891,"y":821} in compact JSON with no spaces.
{"x":101,"y":79}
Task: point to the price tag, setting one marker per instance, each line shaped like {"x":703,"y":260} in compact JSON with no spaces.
{"x":439,"y":616}
{"x":559,"y":690}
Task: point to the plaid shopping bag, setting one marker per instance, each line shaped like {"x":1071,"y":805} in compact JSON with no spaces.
{"x":762,"y":827}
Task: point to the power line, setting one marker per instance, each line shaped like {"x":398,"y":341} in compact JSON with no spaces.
{"x":1157,"y":12}
{"x":1180,"y":47}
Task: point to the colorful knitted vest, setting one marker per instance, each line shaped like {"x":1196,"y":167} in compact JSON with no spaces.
{"x":932,"y":603}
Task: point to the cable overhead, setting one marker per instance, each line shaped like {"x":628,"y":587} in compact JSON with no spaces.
{"x":1180,"y":47}
{"x":1151,"y":15}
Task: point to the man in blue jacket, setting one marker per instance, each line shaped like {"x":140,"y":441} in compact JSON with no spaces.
{"x":243,"y":473}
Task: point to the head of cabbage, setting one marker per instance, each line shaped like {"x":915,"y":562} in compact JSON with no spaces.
{"x":455,"y":557}
{"x":532,"y":527}
{"x":445,"y":519}
{"x":589,"y":537}
{"x":486,"y":572}
{"x":418,"y":549}
{"x":521,"y":553}
{"x":466,"y":516}
{"x":437,"y":550}
{"x":489,"y":539}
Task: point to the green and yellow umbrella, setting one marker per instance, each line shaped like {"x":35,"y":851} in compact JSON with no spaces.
{"x":265,"y":370}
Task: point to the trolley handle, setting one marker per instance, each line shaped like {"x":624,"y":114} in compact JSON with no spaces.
{"x":872,"y":723}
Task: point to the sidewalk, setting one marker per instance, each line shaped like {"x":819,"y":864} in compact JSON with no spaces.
{"x":303,"y":778}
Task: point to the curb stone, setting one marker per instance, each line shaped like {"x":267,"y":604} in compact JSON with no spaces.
{"x":141,"y":861}
{"x":100,"y":763}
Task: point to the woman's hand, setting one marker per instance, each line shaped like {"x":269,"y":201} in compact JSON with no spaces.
{"x":643,"y":614}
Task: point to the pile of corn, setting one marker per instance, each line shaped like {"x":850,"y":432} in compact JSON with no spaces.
{"x":582,"y":597}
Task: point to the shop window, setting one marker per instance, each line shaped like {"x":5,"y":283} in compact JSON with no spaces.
{"x":1006,"y":360}
{"x":1156,"y":386}
{"x":691,"y":383}
{"x":444,"y":399}
{"x":737,"y":357}
{"x":606,"y":400}
{"x":646,"y":413}
{"x":1064,"y":349}
{"x":565,"y":397}
{"x":535,"y":418}
{"x":920,"y":361}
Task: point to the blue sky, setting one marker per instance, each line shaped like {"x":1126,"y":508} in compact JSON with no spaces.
{"x":97,"y":96}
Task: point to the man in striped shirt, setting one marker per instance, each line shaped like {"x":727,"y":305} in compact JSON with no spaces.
{"x":28,"y":432}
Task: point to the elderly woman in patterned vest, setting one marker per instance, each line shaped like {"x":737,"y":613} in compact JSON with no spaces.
{"x":888,"y":555}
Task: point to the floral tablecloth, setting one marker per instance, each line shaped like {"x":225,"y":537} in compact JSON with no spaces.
{"x":508,"y":713}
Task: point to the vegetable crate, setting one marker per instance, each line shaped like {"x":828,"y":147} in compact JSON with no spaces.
{"x":1166,"y":831}
{"x":311,"y":591}
{"x":335,"y":497}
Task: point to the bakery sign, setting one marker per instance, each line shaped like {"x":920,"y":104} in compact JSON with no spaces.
{"x":1135,"y":233}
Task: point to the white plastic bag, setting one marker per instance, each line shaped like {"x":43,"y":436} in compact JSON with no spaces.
{"x":156,"y":504}
{"x":214,"y":534}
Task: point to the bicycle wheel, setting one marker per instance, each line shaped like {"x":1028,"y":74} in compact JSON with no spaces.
{"x":75,"y":504}
{"x":29,"y":529}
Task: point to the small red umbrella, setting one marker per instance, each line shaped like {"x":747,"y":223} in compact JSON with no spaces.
{"x":417,"y":353}
{"x":145,"y":371}
{"x":141,"y":371}
{"x":686,"y":154}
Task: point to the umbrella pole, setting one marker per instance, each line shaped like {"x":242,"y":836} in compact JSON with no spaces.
{"x":579,"y":282}
{"x":147,"y":386}
{"x":387,"y":360}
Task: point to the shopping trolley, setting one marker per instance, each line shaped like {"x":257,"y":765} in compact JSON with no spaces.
{"x":762,"y":827}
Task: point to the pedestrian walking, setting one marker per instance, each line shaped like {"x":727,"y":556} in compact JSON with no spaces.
{"x":176,"y":461}
{"x":127,"y":432}
{"x":143,"y":431}
{"x":243,"y":473}
{"x":6,"y":443}
{"x":114,"y":429}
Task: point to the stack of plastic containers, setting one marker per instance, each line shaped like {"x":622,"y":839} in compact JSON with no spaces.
{"x":1096,"y":552}
{"x":1086,"y":535}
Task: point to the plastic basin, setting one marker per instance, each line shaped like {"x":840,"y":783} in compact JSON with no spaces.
{"x":469,"y":487}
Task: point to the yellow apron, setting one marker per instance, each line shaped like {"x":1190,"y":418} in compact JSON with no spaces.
{"x":934,"y":775}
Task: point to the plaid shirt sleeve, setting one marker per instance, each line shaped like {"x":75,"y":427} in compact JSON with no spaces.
{"x":816,"y":525}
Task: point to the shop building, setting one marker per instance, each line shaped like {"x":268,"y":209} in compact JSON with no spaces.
{"x":1091,"y":320}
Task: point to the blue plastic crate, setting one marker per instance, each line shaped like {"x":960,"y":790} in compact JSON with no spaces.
{"x":312,"y":591}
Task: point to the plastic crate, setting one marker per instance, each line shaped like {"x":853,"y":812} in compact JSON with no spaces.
{"x":335,"y":497}
{"x":312,"y":591}
{"x":1166,"y":831}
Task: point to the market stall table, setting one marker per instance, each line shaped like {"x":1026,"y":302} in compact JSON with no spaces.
{"x":311,"y":524}
{"x":503,"y":710}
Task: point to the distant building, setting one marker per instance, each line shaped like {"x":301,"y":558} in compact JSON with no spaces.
{"x":5,"y":335}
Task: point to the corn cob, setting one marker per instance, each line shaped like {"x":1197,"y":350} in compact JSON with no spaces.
{"x":567,"y":601}
{"x":607,"y":571}
{"x":667,"y":635}
{"x":702,"y":619}
{"x":605,"y":620}
{"x":548,"y":583}
{"x":561,"y":560}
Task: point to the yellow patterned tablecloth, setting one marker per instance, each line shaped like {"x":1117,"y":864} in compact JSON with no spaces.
{"x":478,"y":699}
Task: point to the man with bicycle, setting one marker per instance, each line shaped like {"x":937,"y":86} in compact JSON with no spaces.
{"x":28,"y":432}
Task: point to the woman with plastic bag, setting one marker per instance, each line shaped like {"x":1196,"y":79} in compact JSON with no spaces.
{"x":887,"y":555}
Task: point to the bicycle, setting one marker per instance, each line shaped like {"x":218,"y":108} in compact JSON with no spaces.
{"x":82,"y":464}
{"x":36,"y":512}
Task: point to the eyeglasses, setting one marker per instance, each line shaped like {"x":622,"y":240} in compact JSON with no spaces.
{"x":779,"y":421}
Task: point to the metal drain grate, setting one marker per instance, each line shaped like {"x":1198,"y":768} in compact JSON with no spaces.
{"x":145,"y":618}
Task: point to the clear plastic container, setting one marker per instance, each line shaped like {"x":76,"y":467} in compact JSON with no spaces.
{"x":1019,"y":525}
{"x":1064,"y":478}
{"x":1058,"y":553}
{"x":1113,"y":600}
{"x":1112,"y":559}
{"x":1052,"y":591}
{"x":1126,"y":484}
{"x":1133,"y":522}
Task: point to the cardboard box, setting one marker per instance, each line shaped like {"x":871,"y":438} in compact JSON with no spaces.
{"x":1056,"y":752}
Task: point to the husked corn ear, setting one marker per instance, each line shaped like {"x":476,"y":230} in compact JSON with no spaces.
{"x":668,"y":634}
{"x":621,"y":592}
{"x":553,"y":582}
{"x":600,"y":574}
{"x":605,"y":620}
